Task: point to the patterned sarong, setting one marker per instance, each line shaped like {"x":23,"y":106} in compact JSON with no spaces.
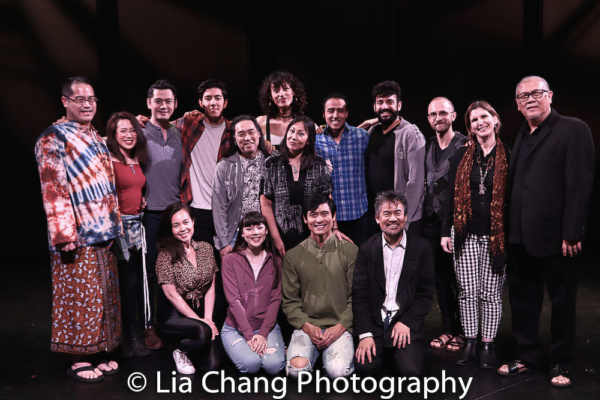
{"x":86,"y":307}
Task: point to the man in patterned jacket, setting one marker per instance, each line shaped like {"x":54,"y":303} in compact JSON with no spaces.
{"x":83,"y":218}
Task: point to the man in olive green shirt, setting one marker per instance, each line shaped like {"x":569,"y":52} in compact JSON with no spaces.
{"x":317,"y":295}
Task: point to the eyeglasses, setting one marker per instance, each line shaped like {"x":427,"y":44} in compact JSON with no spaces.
{"x":441,"y":114}
{"x":124,"y":132}
{"x":536,"y":94}
{"x":81,"y":100}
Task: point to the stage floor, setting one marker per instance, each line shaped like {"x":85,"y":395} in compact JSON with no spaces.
{"x":29,"y":370}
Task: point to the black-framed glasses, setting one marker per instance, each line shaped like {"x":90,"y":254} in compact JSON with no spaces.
{"x":442,"y":114}
{"x":81,"y":100}
{"x":536,"y":94}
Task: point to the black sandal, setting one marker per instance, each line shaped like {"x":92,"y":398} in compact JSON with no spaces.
{"x":442,"y":343}
{"x":110,"y":371}
{"x":557,"y":371}
{"x":73,"y":374}
{"x":514,"y":368}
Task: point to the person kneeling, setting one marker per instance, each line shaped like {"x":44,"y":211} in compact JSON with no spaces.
{"x":252,"y":284}
{"x":317,"y":295}
{"x":392,"y":291}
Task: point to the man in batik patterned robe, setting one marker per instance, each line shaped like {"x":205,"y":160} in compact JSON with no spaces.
{"x":83,"y":218}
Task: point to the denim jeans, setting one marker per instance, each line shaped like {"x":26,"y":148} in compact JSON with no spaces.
{"x":338,"y":357}
{"x":246,"y":360}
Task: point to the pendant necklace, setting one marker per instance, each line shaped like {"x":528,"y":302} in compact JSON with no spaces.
{"x":483,"y":175}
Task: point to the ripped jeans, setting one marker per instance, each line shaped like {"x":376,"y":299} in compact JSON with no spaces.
{"x":338,"y":357}
{"x":246,"y":360}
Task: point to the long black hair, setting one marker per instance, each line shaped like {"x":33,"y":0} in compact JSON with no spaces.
{"x":139,"y":151}
{"x":251,"y":219}
{"x":166,"y":240}
{"x":233,"y":147}
{"x":308,"y":152}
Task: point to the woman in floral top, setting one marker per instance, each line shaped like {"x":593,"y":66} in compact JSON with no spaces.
{"x":186,"y":272}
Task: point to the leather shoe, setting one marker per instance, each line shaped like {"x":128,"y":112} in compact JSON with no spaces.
{"x":487,"y":355}
{"x":469,"y":352}
{"x":151,"y":339}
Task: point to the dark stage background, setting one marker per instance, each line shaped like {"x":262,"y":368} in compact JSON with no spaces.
{"x":464,"y":50}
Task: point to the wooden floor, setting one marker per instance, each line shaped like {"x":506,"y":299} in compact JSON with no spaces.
{"x":28,"y":370}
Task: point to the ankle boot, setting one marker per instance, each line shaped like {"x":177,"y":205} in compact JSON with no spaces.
{"x":469,"y":352}
{"x":487,"y":355}
{"x":138,"y":347}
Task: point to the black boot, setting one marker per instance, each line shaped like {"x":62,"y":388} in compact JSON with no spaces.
{"x":137,"y":344}
{"x":469,"y":352}
{"x":487,"y":355}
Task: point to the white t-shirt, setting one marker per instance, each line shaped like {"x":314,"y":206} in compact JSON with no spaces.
{"x":204,"y":163}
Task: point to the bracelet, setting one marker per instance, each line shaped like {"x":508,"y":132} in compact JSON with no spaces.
{"x":335,"y":229}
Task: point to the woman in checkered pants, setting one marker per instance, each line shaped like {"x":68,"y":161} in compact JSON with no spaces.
{"x":473,"y":230}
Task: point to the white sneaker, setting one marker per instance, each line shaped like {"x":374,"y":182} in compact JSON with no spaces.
{"x":183,"y":364}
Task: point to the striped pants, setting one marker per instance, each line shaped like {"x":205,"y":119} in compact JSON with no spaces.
{"x":478,"y":280}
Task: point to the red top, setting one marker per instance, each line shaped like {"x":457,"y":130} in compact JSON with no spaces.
{"x":130,"y":187}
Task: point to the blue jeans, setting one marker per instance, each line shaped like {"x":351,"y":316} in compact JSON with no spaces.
{"x":338,"y":357}
{"x":246,"y":360}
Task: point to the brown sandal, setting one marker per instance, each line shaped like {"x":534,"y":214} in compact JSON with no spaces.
{"x":440,"y":342}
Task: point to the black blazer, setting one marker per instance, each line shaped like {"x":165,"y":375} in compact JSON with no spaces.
{"x":415,"y":287}
{"x":557,"y":183}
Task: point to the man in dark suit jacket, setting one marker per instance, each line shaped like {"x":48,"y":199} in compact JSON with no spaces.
{"x":392,"y":291}
{"x":550,"y":179}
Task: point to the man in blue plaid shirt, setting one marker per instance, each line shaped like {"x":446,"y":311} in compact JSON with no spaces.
{"x":344,"y":146}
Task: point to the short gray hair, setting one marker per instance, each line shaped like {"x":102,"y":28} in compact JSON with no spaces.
{"x":530,"y":77}
{"x":390,"y":196}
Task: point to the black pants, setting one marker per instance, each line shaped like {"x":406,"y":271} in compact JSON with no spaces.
{"x":131,"y":284}
{"x":194,"y":337}
{"x":151,"y":222}
{"x":408,"y":361}
{"x":355,"y":229}
{"x":204,"y":226}
{"x":204,"y":231}
{"x":445,"y":279}
{"x":526,"y":278}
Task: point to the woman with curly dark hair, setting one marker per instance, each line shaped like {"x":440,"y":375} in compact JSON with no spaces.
{"x":282,"y":98}
{"x":473,"y":230}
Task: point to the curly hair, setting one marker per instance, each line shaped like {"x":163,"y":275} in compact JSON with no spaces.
{"x":277,"y":79}
{"x":386,"y":89}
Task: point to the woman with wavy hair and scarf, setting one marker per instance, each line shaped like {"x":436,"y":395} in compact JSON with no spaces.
{"x":473,"y":230}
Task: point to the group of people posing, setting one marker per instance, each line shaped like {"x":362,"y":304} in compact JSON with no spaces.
{"x":239,"y":237}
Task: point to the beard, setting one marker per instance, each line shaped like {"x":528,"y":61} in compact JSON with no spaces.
{"x":387,"y":120}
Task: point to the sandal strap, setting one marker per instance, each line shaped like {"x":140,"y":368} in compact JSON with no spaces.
{"x":84,"y":368}
{"x":513,"y":366}
{"x":557,"y":370}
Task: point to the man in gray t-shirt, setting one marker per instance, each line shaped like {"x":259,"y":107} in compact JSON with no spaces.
{"x":162,"y":172}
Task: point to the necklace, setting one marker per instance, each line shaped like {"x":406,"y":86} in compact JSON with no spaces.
{"x":483,"y":175}
{"x":295,"y":167}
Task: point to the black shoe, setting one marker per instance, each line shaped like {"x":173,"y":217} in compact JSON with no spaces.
{"x":487,"y":355}
{"x":469,"y":352}
{"x":137,"y":345}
